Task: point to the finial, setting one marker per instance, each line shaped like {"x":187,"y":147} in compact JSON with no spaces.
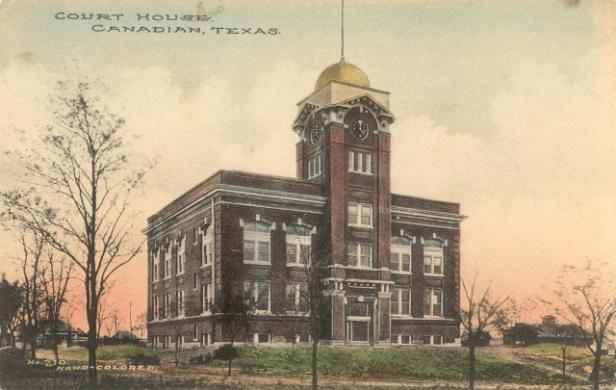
{"x":342,"y":31}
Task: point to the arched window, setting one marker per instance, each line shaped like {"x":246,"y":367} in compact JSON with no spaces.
{"x":299,"y":240}
{"x":434,"y":263}
{"x":400,"y":257}
{"x":257,"y":242}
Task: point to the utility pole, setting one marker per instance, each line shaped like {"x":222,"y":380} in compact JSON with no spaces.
{"x":130,"y":318}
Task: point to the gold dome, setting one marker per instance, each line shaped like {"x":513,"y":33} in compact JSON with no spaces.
{"x":344,"y":72}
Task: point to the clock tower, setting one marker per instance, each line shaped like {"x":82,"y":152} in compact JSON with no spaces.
{"x":344,"y":145}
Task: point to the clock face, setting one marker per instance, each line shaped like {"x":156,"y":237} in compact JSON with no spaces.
{"x":360,"y":122}
{"x":359,"y":128}
{"x":316,"y":131}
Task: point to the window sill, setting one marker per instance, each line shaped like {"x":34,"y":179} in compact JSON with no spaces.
{"x":262,"y":312}
{"x":205,"y":265}
{"x":367,"y":227}
{"x":362,"y":173}
{"x":402,"y":272}
{"x":296,"y":265}
{"x":435,"y":275}
{"x":257,"y":262}
{"x":402,"y":316}
{"x":360,"y":267}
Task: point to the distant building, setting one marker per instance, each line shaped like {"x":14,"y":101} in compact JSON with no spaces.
{"x":394,"y":260}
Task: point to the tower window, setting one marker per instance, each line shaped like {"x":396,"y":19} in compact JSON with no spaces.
{"x":359,"y":215}
{"x":359,"y":255}
{"x":360,"y":162}
{"x":315,"y":166}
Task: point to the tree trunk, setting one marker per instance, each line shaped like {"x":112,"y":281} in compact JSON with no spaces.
{"x":315,"y":384}
{"x":471,"y":367}
{"x":230,"y":359}
{"x":92,"y":344}
{"x":564,"y":357}
{"x":596,"y":367}
{"x":33,"y":346}
{"x":177,"y":348}
{"x":56,"y":355}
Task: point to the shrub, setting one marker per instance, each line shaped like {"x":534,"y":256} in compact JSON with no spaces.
{"x":226,"y":352}
{"x":12,"y":361}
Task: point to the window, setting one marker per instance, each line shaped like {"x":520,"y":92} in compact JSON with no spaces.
{"x":195,"y":280}
{"x":401,"y":339}
{"x":401,"y":301}
{"x":359,"y":215}
{"x":179,"y":303}
{"x":156,"y":307}
{"x":433,"y":257}
{"x":360,"y":162}
{"x":257,"y":243}
{"x":298,"y":245}
{"x":297,"y":297}
{"x":180,"y":260}
{"x":359,"y":255}
{"x":205,"y":339}
{"x":195,"y":333}
{"x":315,"y":165}
{"x":259,"y":338}
{"x":206,"y":296}
{"x":258,"y":293}
{"x":166,"y":305}
{"x":436,"y":339}
{"x":155,"y":262}
{"x":433,"y":302}
{"x":207,"y":247}
{"x":400,"y":260}
{"x":167,"y":263}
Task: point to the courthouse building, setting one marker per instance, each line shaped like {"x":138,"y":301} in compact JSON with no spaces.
{"x":392,"y":260}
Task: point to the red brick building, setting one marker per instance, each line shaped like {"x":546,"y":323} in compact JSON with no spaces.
{"x":393,"y":260}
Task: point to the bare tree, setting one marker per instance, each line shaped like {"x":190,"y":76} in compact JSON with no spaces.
{"x":234,"y":316}
{"x":101,"y":317}
{"x":179,"y":308}
{"x":587,"y":300}
{"x":319,"y":296}
{"x":483,"y":311}
{"x":75,"y":193}
{"x":33,"y":301}
{"x":55,"y":277}
{"x":568,"y":335}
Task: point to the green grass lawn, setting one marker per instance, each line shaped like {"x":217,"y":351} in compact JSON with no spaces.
{"x":110,"y":352}
{"x":381,"y":363}
{"x":579,"y":357}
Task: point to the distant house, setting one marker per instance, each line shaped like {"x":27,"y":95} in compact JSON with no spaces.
{"x":65,"y":334}
{"x":548,"y":331}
